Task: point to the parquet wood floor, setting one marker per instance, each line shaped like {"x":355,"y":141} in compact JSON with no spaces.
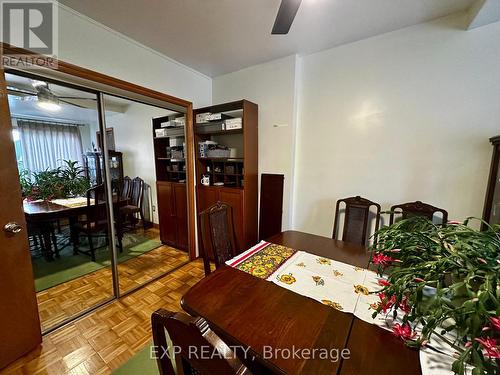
{"x":106,"y":338}
{"x":64,"y":301}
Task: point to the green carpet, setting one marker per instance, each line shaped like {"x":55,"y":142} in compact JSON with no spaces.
{"x":139,"y":364}
{"x":69,"y":266}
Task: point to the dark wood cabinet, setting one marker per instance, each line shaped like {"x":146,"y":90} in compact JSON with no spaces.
{"x":238,"y":172}
{"x":491,"y":212}
{"x":172,"y":212}
{"x":94,"y":168}
{"x":170,"y":162}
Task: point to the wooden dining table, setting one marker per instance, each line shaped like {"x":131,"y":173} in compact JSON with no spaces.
{"x":254,"y":313}
{"x":41,"y":213}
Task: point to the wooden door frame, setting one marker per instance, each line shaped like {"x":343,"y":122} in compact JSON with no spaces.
{"x":102,"y":79}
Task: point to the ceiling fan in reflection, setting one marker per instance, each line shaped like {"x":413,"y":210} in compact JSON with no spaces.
{"x":44,"y":96}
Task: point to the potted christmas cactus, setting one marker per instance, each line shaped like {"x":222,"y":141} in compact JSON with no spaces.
{"x":62,"y":182}
{"x":443,"y":282}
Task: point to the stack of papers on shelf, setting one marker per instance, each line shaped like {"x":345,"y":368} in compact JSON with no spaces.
{"x":233,"y":123}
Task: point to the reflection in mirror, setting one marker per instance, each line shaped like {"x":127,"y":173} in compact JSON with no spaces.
{"x":140,"y":160}
{"x":64,"y":200}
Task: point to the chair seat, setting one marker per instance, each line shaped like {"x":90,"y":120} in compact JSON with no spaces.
{"x":129,"y":209}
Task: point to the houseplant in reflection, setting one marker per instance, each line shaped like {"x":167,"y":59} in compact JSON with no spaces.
{"x":63,"y":182}
{"x":443,"y":281}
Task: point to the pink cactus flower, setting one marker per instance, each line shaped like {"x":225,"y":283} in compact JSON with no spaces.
{"x":490,"y":347}
{"x":382,"y":260}
{"x":404,"y":331}
{"x":495,"y":322}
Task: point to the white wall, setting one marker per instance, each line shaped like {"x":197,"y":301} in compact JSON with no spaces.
{"x":133,"y":137}
{"x":272,"y":87}
{"x":400,"y":117}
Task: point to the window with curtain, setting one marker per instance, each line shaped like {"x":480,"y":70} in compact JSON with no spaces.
{"x":45,"y":145}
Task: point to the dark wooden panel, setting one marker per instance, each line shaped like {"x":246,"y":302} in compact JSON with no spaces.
{"x":181,"y":215}
{"x":234,"y":198}
{"x":166,"y":213}
{"x":251,"y":204}
{"x":271,"y":204}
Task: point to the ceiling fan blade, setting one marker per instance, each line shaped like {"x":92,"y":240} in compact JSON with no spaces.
{"x":286,"y":13}
{"x":75,"y":97}
{"x":16,"y":91}
{"x":70,"y":103}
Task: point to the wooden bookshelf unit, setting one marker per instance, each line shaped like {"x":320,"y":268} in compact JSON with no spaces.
{"x":171,"y":175}
{"x":233,"y":178}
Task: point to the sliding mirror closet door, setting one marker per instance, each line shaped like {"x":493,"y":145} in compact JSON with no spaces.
{"x":147,"y":163}
{"x":55,"y":129}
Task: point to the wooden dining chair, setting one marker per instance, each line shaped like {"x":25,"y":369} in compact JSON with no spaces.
{"x":417,"y":208}
{"x":191,"y":337}
{"x":126,"y":187}
{"x":217,"y":234}
{"x":95,"y":222}
{"x":135,"y":203}
{"x":356,"y":219}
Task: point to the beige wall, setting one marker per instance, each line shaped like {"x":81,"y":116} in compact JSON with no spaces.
{"x":400,"y":117}
{"x":272,"y":87}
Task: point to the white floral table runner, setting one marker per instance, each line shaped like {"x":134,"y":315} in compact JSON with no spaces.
{"x":344,"y":287}
{"x":72,"y":202}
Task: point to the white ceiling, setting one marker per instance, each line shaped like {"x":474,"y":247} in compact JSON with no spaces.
{"x":221,"y":36}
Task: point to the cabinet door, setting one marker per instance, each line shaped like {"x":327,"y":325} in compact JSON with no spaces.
{"x":207,"y":196}
{"x":181,"y":215}
{"x":166,"y":213}
{"x":234,"y":198}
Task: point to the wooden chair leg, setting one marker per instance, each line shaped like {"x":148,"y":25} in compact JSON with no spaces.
{"x":143,"y":221}
{"x":46,"y":245}
{"x":206,"y":262}
{"x":54,"y":240}
{"x":120,"y":243}
{"x":91,"y":247}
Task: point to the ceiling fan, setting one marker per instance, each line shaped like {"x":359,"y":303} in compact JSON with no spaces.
{"x":44,"y":96}
{"x":284,"y":19}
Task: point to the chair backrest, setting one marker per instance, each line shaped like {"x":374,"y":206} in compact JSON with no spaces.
{"x":218,"y":230}
{"x":198,"y":350}
{"x":356,"y":218}
{"x":96,"y":204}
{"x":137,"y":192}
{"x":417,"y":208}
{"x":126,"y":187}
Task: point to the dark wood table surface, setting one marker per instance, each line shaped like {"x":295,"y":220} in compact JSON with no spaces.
{"x":255,"y":313}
